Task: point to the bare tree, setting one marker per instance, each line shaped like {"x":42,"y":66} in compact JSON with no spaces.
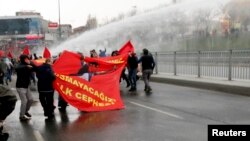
{"x":178,"y":23}
{"x":239,"y":11}
{"x":91,"y":22}
{"x":202,"y":21}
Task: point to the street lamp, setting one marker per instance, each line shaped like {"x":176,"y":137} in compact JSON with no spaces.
{"x":59,"y":22}
{"x":16,"y":32}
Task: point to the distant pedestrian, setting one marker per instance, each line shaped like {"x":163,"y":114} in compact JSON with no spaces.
{"x":4,"y":71}
{"x":46,"y":77}
{"x":93,"y":54}
{"x":102,"y":53}
{"x":24,"y":70}
{"x":148,"y":65}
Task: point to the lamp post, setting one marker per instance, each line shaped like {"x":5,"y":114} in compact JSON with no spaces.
{"x":59,"y":20}
{"x":16,"y":32}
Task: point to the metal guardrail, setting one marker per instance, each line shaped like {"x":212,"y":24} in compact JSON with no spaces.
{"x":230,"y":65}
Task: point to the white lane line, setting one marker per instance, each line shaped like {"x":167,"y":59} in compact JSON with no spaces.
{"x":38,"y":136}
{"x":157,"y":110}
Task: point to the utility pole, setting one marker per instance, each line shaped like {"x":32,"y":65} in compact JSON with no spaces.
{"x":59,"y":20}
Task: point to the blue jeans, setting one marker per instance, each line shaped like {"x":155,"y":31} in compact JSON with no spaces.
{"x":132,"y":77}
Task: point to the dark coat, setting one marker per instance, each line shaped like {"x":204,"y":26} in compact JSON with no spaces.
{"x":45,"y":76}
{"x":132,"y":62}
{"x":23,"y":73}
{"x":147,"y":62}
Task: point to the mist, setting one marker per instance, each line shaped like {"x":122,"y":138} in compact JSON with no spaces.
{"x":162,"y":29}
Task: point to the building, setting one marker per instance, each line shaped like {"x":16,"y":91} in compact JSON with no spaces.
{"x":23,"y":30}
{"x":66,"y":31}
{"x":79,"y":30}
{"x":30,"y":28}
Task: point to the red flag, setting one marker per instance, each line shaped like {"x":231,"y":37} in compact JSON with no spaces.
{"x":105,"y":63}
{"x":1,"y":53}
{"x":26,"y":50}
{"x":128,"y":47}
{"x":46,"y":53}
{"x":101,"y":93}
{"x":10,"y":55}
{"x":68,"y":63}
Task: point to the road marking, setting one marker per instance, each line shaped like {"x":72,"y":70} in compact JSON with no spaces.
{"x":157,"y":110}
{"x":38,"y":136}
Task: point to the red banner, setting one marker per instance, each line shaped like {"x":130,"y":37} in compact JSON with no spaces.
{"x":106,"y":63}
{"x":102,"y":92}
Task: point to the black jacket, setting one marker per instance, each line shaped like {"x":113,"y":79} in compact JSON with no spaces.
{"x":147,"y":62}
{"x":23,"y":74}
{"x":132,"y":62}
{"x":45,"y":76}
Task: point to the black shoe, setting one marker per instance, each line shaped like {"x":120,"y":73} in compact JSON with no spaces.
{"x":62,"y":109}
{"x":28,"y":115}
{"x":128,"y":85}
{"x":24,"y":118}
{"x":132,"y":89}
{"x":148,"y":90}
{"x":50,"y":118}
{"x":4,"y":136}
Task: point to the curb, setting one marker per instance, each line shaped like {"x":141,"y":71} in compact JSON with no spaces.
{"x":233,"y":89}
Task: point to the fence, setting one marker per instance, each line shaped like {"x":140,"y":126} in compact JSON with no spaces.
{"x":231,"y":65}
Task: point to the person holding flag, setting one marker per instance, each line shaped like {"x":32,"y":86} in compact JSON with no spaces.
{"x":46,"y":77}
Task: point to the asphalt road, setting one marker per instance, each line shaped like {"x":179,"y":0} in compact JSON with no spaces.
{"x":169,"y":113}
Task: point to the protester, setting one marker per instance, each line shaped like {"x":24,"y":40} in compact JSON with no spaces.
{"x":9,"y":70}
{"x":62,"y":104}
{"x":7,"y":105}
{"x":132,"y":70}
{"x":148,"y":65}
{"x":93,"y":54}
{"x":45,"y":76}
{"x":123,"y":75}
{"x":24,"y":70}
{"x":4,"y":70}
{"x":84,"y":70}
{"x":102,"y":53}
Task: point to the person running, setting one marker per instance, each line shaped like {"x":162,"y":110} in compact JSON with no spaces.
{"x":148,"y":65}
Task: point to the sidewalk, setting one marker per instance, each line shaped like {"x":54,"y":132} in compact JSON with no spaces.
{"x":235,"y":87}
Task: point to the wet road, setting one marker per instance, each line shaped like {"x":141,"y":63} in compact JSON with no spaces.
{"x":169,"y":113}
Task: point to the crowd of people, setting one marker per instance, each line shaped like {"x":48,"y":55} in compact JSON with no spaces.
{"x":26,"y":71}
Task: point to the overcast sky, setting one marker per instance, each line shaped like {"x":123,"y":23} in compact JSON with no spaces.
{"x":75,"y":12}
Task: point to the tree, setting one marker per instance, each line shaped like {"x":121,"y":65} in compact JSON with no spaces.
{"x":239,"y":11}
{"x":91,"y":22}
